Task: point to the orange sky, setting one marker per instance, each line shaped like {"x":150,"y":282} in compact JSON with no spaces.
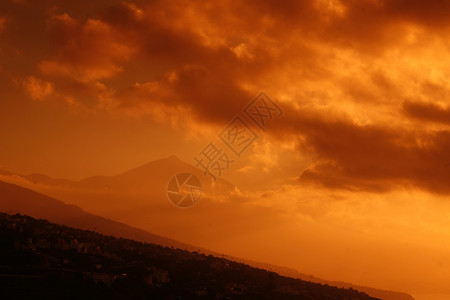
{"x":99,"y":87}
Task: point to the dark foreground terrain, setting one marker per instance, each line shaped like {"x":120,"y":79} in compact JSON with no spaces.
{"x":41,"y":260}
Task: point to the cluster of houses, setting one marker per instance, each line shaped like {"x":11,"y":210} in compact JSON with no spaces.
{"x":38,"y":242}
{"x":68,"y":252}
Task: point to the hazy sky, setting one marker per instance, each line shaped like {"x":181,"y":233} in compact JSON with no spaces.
{"x":99,"y":87}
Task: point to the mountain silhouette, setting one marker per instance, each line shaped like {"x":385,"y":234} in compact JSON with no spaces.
{"x":145,"y":185}
{"x":15,"y":199}
{"x":142,"y":179}
{"x":137,"y":197}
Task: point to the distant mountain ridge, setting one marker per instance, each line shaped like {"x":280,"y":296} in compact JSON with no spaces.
{"x":137,"y":197}
{"x":14,"y":198}
{"x":139,"y":179}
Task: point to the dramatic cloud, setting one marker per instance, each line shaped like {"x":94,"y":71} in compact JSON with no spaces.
{"x":87,"y":52}
{"x":363,"y":83}
{"x":427,"y":112}
{"x":376,"y":158}
{"x":38,"y":89}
